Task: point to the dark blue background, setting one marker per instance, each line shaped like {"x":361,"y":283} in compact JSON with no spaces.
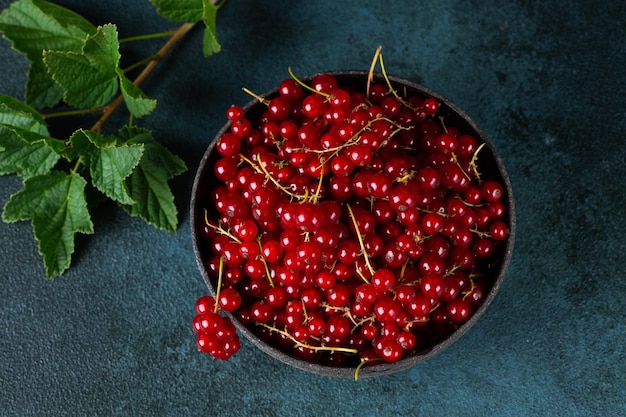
{"x":545,"y":80}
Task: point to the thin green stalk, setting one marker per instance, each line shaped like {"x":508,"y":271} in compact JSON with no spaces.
{"x":77,"y":112}
{"x":147,"y":36}
{"x":76,"y":166}
{"x":141,"y":63}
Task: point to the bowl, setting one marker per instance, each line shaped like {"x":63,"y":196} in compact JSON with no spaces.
{"x":430,"y":336}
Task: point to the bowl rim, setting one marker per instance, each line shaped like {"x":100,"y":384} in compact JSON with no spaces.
{"x":410,"y":361}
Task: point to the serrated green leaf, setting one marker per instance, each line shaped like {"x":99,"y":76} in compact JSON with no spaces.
{"x":34,"y":26}
{"x":14,"y":113}
{"x":55,"y":203}
{"x":210,"y":45}
{"x":179,"y":10}
{"x":59,"y":146}
{"x":168,"y":164}
{"x":109,"y":168}
{"x":88,"y":78}
{"x":193,"y":11}
{"x":110,"y":159}
{"x":41,"y":90}
{"x":80,"y":146}
{"x":83,"y":87}
{"x":135,"y":134}
{"x":136,"y":101}
{"x":25,"y":153}
{"x":14,"y":105}
{"x":102,"y":49}
{"x":101,"y":141}
{"x":24,"y":140}
{"x":148,"y":184}
{"x":154,"y":201}
{"x":83,"y":143}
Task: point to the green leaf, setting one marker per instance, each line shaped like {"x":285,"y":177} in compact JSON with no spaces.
{"x":109,"y":168}
{"x":24,"y":140}
{"x":193,"y":11}
{"x":136,"y":101}
{"x":80,"y":147}
{"x":89,"y":78}
{"x":25,"y":153}
{"x":110,"y":160}
{"x":55,"y":203}
{"x":179,"y":10}
{"x":83,"y":144}
{"x":209,"y":39}
{"x":148,"y":184}
{"x":41,"y":90}
{"x":10,"y":105}
{"x":34,"y":26}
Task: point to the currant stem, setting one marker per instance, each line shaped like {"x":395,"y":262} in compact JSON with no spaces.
{"x":361,"y":243}
{"x":76,"y":166}
{"x":256,"y":96}
{"x":304,"y":85}
{"x":354,"y":139}
{"x":384,"y":72}
{"x":77,"y":112}
{"x":473,"y":161}
{"x":304,"y":345}
{"x":220,"y":274}
{"x":218,"y":228}
{"x":456,"y":161}
{"x":140,"y":63}
{"x":370,"y":75}
{"x":261,"y":169}
{"x":268,"y":274}
{"x":177,"y":35}
{"x":362,"y":364}
{"x":147,"y":36}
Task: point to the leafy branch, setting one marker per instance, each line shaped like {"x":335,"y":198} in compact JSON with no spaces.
{"x":75,"y":64}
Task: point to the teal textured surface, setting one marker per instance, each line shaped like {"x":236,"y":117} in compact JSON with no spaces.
{"x":545,"y":81}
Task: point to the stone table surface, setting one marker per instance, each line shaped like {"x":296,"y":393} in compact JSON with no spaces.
{"x":545,"y":80}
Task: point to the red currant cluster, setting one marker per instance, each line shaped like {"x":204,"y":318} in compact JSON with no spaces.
{"x":350,"y":227}
{"x":215,"y":334}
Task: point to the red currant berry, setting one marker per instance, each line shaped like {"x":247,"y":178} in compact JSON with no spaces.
{"x":430,"y":106}
{"x":498,"y":231}
{"x":492,"y":191}
{"x":235,"y":113}
{"x":383,"y":280}
{"x":241,"y":127}
{"x":204,"y":304}
{"x":229,"y":299}
{"x":290,"y":89}
{"x":458,"y":310}
{"x":391,"y":351}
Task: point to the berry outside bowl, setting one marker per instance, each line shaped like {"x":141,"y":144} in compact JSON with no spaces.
{"x":491,"y":167}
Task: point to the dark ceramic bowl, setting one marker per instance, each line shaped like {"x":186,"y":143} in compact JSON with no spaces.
{"x":491,"y":167}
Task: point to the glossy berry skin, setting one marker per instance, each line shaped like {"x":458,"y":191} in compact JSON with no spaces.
{"x":459,"y":310}
{"x":229,"y":299}
{"x":345,"y":218}
{"x":235,"y":113}
{"x":204,"y":304}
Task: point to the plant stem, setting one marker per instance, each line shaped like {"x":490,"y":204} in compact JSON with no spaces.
{"x":77,"y":112}
{"x":174,"y":39}
{"x":140,"y":63}
{"x":360,"y":237}
{"x":147,"y":36}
